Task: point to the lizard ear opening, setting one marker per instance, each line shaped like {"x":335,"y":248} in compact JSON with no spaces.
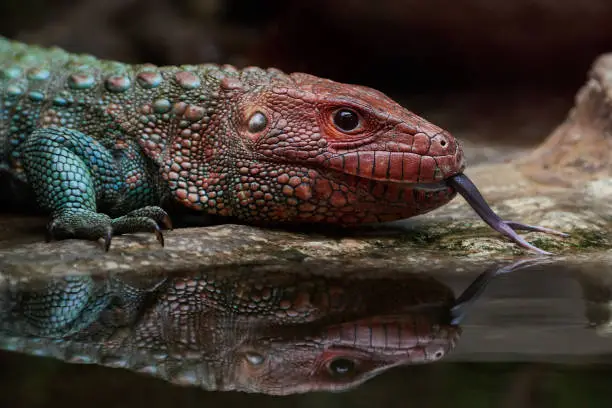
{"x":257,"y":122}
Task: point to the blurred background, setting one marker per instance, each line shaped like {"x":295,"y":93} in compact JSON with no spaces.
{"x":402,"y":46}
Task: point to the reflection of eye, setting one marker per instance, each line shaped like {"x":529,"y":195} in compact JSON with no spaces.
{"x":341,"y":367}
{"x":346,"y":119}
{"x":254,"y":358}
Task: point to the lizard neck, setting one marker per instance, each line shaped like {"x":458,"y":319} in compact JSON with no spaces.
{"x":188,"y":128}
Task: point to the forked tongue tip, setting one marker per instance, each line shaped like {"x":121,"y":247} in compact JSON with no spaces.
{"x":468,"y":190}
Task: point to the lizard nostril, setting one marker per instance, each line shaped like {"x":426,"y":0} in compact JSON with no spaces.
{"x":443,"y":142}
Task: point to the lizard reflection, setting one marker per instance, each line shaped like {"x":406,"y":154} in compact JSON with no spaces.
{"x":253,"y":330}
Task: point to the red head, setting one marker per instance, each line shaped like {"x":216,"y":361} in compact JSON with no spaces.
{"x":304,"y":149}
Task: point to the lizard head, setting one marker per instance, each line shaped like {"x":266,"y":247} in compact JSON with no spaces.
{"x":300,"y":148}
{"x":333,"y":334}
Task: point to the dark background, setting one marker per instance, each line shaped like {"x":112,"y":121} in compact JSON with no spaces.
{"x":401,"y":46}
{"x":35,"y":382}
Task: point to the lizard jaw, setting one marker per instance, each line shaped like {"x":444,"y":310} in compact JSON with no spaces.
{"x":397,"y":167}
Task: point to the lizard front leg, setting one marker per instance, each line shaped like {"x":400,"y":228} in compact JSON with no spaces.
{"x":70,"y":174}
{"x":61,"y":307}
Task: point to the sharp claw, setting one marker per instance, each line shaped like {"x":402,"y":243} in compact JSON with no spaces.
{"x":167,"y":222}
{"x":159,"y":236}
{"x":107,"y":239}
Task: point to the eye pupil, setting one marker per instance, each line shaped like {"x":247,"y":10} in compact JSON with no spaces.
{"x":342,"y":366}
{"x":346,"y":119}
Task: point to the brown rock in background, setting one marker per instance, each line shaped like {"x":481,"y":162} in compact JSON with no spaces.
{"x":580,"y":149}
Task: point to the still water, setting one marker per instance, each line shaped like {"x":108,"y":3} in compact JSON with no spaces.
{"x":520,"y":333}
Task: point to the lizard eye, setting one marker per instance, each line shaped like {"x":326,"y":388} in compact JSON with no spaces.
{"x":341,"y":367}
{"x":346,"y":119}
{"x":257,"y":122}
{"x":254,"y":358}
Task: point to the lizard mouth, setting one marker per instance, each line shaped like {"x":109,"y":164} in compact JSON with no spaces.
{"x":393,"y":335}
{"x":344,"y":177}
{"x":430,"y":187}
{"x":387,"y":186}
{"x":428,"y":173}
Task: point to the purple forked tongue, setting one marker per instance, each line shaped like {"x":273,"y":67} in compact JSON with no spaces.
{"x":464,"y":186}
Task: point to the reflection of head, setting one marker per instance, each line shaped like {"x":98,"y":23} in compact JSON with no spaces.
{"x":340,"y":356}
{"x":313,"y":333}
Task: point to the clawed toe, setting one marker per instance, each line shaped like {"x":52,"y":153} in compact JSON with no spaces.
{"x":146,"y":219}
{"x":86,"y":224}
{"x":167,"y":222}
{"x":159,"y":236}
{"x":158,"y":214}
{"x":80,"y":224}
{"x":107,"y":239}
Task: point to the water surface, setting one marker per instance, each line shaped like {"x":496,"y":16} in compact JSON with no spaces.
{"x":536,"y":336}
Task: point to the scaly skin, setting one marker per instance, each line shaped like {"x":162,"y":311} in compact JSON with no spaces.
{"x":96,"y":140}
{"x":268,"y":332}
{"x":104,"y":146}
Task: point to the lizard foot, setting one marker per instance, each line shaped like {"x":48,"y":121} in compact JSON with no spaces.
{"x":145,"y":219}
{"x":82,"y":224}
{"x":90,"y":225}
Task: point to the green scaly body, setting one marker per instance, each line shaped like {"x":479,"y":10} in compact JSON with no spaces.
{"x":89,"y":136}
